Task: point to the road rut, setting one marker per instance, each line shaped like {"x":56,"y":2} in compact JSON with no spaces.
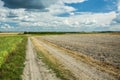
{"x":35,"y":69}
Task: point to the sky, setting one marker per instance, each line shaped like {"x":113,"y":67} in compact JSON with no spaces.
{"x":60,"y":15}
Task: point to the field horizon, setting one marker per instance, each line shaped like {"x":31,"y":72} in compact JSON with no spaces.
{"x":59,"y":39}
{"x":63,"y":54}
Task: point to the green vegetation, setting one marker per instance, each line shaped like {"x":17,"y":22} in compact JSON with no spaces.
{"x":12,"y":57}
{"x":7,"y":45}
{"x":44,"y":33}
{"x":55,"y":33}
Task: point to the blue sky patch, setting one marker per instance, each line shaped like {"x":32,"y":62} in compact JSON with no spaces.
{"x":95,"y":6}
{"x":10,"y":23}
{"x":63,"y":15}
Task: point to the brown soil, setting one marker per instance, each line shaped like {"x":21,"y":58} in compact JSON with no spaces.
{"x":80,"y":69}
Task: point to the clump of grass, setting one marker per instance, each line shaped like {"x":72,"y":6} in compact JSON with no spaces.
{"x":13,"y":66}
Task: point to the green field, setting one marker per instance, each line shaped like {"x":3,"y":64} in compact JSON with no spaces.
{"x":7,"y":45}
{"x":12,"y":57}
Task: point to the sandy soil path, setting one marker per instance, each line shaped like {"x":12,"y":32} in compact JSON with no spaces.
{"x":35,"y":69}
{"x":81,"y":70}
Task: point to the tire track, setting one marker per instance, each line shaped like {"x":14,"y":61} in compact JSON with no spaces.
{"x":35,"y":69}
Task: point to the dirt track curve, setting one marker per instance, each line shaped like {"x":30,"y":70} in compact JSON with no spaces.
{"x":35,"y":69}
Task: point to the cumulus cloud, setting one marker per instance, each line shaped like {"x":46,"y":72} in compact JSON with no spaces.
{"x":90,"y":19}
{"x":36,"y":4}
{"x":117,"y":19}
{"x":29,"y":4}
{"x":6,"y":26}
{"x":118,"y":5}
{"x":45,"y":20}
{"x":60,"y":9}
{"x":36,"y":20}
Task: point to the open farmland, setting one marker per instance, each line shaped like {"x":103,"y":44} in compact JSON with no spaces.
{"x":60,"y":57}
{"x":103,"y":47}
{"x":97,"y":51}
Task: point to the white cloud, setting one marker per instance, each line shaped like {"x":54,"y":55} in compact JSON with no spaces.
{"x":115,"y":24}
{"x":6,"y":26}
{"x":60,"y":9}
{"x":118,"y":5}
{"x":73,"y":1}
{"x":96,"y":19}
{"x":117,"y":19}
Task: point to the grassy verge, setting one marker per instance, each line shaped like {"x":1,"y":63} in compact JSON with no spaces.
{"x":55,"y":67}
{"x":12,"y":68}
{"x":53,"y":63}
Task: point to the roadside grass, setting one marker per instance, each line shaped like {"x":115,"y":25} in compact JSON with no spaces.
{"x":53,"y":63}
{"x":13,"y":65}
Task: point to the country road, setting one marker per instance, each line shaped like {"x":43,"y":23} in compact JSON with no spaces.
{"x":35,"y":69}
{"x":81,"y":70}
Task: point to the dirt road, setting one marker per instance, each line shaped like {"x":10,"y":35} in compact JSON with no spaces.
{"x":35,"y":69}
{"x":81,"y":70}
